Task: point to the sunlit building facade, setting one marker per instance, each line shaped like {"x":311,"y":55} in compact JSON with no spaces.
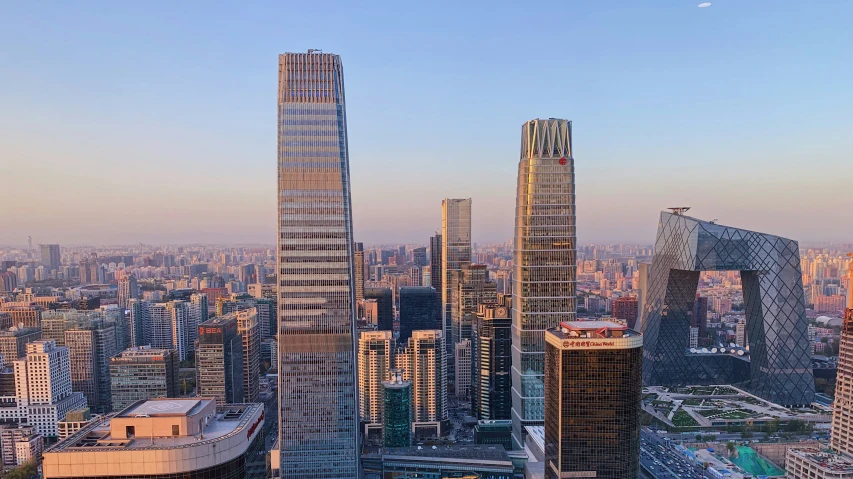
{"x":544,"y":260}
{"x":318,"y":430}
{"x":593,"y":385}
{"x":455,"y":252}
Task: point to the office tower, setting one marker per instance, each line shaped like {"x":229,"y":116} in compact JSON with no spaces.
{"x":317,"y":378}
{"x":435,"y":260}
{"x":8,"y":281}
{"x":266,"y":310}
{"x":420,"y":308}
{"x":491,"y":363}
{"x":385,"y":256}
{"x":626,"y":310}
{"x":424,"y":362}
{"x":50,"y":256}
{"x":219,"y":360}
{"x":700,"y":316}
{"x":199,"y":308}
{"x":358,"y":268}
{"x":162,"y":438}
{"x":143,"y":372}
{"x":470,"y":287}
{"x":13,"y":342}
{"x":43,"y":387}
{"x":385,"y":306}
{"x":415,"y":276}
{"x":455,"y":252}
{"x":90,"y":347}
{"x":419,"y":256}
{"x":247,"y":326}
{"x":740,"y":333}
{"x":169,"y":325}
{"x":397,"y":407}
{"x":642,"y":290}
{"x":426,"y":276}
{"x":462,"y":358}
{"x":375,"y":359}
{"x":593,"y":389}
{"x":841,"y":439}
{"x":127,"y":289}
{"x":779,"y":369}
{"x":544,"y":260}
{"x":139,"y":317}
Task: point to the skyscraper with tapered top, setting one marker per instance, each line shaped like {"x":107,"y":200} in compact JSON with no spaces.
{"x":318,"y":420}
{"x":544,"y":260}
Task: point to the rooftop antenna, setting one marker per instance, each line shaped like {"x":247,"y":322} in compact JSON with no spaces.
{"x":678,"y":210}
{"x":312,"y":50}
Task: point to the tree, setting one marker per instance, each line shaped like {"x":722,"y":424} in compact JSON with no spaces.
{"x":772,"y":427}
{"x":730,"y":446}
{"x":698,"y":438}
{"x":795,"y":426}
{"x":746,"y":433}
{"x":24,"y":471}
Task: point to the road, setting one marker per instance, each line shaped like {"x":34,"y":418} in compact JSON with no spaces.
{"x":663,"y":461}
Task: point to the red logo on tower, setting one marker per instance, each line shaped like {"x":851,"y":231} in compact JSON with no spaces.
{"x":563,"y":160}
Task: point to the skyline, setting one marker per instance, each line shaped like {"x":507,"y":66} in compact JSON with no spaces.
{"x":754,"y":95}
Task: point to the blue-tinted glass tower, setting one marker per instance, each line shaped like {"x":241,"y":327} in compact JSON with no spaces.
{"x":420,"y":309}
{"x":778,"y":365}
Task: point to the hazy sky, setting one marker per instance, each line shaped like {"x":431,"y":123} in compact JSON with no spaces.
{"x":154,"y":121}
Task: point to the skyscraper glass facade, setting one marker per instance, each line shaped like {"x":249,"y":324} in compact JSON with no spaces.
{"x":419,"y":310}
{"x":778,"y":366}
{"x":455,"y":252}
{"x":491,"y":361}
{"x":318,"y":420}
{"x":385,"y":306}
{"x":593,"y":385}
{"x":544,"y":260}
{"x":397,"y":425}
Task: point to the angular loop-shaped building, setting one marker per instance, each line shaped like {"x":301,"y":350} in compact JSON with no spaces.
{"x":777,"y":366}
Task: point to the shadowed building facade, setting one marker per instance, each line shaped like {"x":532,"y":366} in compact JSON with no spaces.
{"x":778,"y":367}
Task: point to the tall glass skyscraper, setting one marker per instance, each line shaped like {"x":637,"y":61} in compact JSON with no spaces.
{"x":318,"y":421}
{"x":455,"y":252}
{"x":544,"y":260}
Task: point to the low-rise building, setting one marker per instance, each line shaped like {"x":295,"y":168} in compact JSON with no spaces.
{"x":166,"y":438}
{"x":811,"y":463}
{"x":463,"y":462}
{"x":9,"y":438}
{"x":28,"y":449}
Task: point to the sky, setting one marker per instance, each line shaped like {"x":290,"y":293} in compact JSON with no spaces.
{"x":127,"y":122}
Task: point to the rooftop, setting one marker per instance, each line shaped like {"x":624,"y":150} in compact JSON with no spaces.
{"x":835,"y":463}
{"x":225,"y":421}
{"x":162,"y":408}
{"x":593,"y":330}
{"x":490,"y":453}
